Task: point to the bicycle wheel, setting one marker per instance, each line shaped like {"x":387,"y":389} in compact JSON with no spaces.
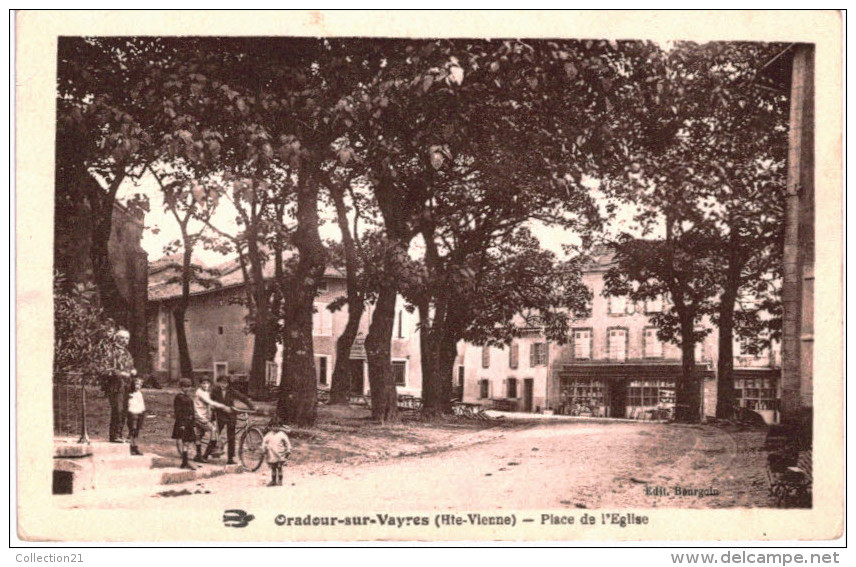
{"x":250,"y":451}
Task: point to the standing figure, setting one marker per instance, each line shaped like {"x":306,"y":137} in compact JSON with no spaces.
{"x":277,"y":449}
{"x":136,"y":413}
{"x":118,"y":385}
{"x":202,"y":405}
{"x":184,"y":430}
{"x":227,"y":395}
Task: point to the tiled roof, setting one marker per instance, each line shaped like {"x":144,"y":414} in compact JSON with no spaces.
{"x":168,"y":267}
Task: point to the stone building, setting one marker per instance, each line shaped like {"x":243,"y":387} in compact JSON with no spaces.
{"x":613,"y":366}
{"x":219,"y":344}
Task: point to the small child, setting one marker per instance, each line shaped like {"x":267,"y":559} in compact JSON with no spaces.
{"x":185,"y":421}
{"x":136,"y":413}
{"x":277,"y":449}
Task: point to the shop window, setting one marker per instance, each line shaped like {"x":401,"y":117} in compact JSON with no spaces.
{"x":651,"y":394}
{"x":653,"y":345}
{"x":757,"y":393}
{"x":582,"y":396}
{"x":511,"y":388}
{"x":513,"y":355}
{"x":582,"y":344}
{"x":617,"y":344}
{"x":399,"y":372}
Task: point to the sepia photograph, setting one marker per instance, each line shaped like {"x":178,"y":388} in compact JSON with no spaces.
{"x":336,"y":276}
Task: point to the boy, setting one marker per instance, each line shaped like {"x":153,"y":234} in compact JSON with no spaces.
{"x":202,"y":404}
{"x":277,"y":449}
{"x":184,"y":429}
{"x":136,"y":413}
{"x":227,"y":395}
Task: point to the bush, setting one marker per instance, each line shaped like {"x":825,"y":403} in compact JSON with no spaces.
{"x":83,"y":335}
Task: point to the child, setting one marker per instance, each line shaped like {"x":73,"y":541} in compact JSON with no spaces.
{"x":202,"y":406}
{"x":136,"y":413}
{"x":277,"y":449}
{"x":185,"y":422}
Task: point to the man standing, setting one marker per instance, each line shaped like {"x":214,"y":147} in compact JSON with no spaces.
{"x":117,"y":387}
{"x":227,"y":396}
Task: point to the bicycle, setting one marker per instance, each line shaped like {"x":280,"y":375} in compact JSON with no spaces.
{"x":249,"y":439}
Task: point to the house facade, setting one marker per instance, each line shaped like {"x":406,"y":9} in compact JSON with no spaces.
{"x":215,"y":324}
{"x":613,"y":366}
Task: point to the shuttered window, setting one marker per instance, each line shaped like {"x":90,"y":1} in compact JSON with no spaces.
{"x":538,"y":354}
{"x":513,"y":355}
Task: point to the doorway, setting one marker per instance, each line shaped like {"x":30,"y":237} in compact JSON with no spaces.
{"x":618,"y":399}
{"x":356,"y":373}
{"x":528,"y":390}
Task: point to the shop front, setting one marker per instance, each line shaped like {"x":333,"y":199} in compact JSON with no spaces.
{"x":629,"y":391}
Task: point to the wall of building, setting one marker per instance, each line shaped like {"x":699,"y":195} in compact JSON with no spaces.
{"x":215,"y":327}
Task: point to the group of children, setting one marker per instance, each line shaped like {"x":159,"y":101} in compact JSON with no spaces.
{"x":193,"y":412}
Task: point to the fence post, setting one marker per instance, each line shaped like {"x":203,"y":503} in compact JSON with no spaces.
{"x":84,"y":436}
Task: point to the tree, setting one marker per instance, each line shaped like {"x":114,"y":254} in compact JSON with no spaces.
{"x":182,"y":197}
{"x":106,"y":132}
{"x":703,"y":152}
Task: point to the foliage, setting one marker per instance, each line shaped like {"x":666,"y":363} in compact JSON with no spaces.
{"x":83,"y":335}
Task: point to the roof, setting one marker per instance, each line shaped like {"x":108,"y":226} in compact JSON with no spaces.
{"x":167,"y":268}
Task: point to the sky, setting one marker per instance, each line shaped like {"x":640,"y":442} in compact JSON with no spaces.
{"x":162,"y":228}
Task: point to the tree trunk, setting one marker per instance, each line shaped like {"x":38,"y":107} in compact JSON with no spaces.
{"x":340,"y":382}
{"x":725,"y":364}
{"x":429,"y":352}
{"x":298,"y":396}
{"x":378,"y":345}
{"x":184,"y":361}
{"x":446,"y":370}
{"x":114,"y":304}
{"x":340,"y":389}
{"x":687,"y":395}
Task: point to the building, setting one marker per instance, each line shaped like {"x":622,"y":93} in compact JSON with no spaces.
{"x":613,"y":366}
{"x":215,"y":323}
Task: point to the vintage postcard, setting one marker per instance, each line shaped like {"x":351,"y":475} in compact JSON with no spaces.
{"x":429,"y":276}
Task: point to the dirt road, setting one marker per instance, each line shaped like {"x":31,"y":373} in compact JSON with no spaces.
{"x":557,"y":465}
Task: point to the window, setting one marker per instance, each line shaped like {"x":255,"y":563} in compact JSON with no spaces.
{"x":621,"y":305}
{"x":399,"y":372}
{"x":538,"y":354}
{"x":654,"y":305}
{"x":220,"y":369}
{"x":485,"y":357}
{"x":400,"y":333}
{"x":582,"y":344}
{"x":757,"y":393}
{"x":650,"y":393}
{"x":484,"y":388}
{"x":322,"y":320}
{"x":699,"y":350}
{"x":617,"y":343}
{"x":321,"y":370}
{"x":460,"y":376}
{"x":271,"y":373}
{"x":513,"y":355}
{"x":617,"y":305}
{"x":653,"y":346}
{"x":220,"y":330}
{"x":511,"y":388}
